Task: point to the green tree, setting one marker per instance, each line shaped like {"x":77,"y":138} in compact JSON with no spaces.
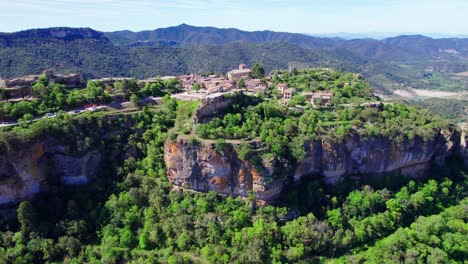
{"x":220,"y":145}
{"x":43,"y":79}
{"x":28,"y":117}
{"x":134,"y":99}
{"x":297,"y":100}
{"x":196,"y":87}
{"x":26,"y":217}
{"x":241,"y":83}
{"x":244,"y":151}
{"x":258,"y":71}
{"x":39,"y":89}
{"x":297,"y":148}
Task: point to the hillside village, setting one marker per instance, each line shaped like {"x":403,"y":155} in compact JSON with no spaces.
{"x":191,"y":86}
{"x":240,"y":79}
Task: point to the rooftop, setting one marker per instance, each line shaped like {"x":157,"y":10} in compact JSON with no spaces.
{"x":240,"y":71}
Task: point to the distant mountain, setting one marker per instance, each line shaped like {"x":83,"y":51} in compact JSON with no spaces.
{"x":381,"y":35}
{"x":388,"y":64}
{"x":399,"y":49}
{"x":64,"y":49}
{"x":186,"y":35}
{"x":437,"y":48}
{"x":63,"y":33}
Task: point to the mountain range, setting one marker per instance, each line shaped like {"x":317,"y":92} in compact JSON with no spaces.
{"x":388,"y":63}
{"x":383,"y":35}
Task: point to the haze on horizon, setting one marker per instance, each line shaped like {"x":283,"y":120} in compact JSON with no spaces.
{"x":447,"y":17}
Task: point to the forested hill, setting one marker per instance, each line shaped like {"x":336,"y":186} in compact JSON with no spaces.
{"x":387,"y":64}
{"x":66,"y":34}
{"x":185,"y":35}
{"x":404,"y":48}
{"x":70,"y":50}
{"x":63,"y":49}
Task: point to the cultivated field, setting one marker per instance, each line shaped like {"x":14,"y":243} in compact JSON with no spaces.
{"x":429,"y":93}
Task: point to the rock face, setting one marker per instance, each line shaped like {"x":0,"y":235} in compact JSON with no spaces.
{"x":201,"y":167}
{"x":210,"y":107}
{"x":356,"y":156}
{"x":26,"y":171}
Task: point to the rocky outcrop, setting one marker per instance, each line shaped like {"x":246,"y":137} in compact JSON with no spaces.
{"x":27,"y":170}
{"x":201,"y":167}
{"x":21,"y":86}
{"x":210,"y":107}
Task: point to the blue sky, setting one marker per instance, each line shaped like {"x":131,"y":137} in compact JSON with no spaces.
{"x":312,"y":16}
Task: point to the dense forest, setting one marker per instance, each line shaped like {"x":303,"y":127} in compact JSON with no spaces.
{"x":131,"y":214}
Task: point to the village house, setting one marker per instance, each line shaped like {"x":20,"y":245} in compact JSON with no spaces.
{"x":242,"y":73}
{"x":187,"y":81}
{"x":288,"y":93}
{"x":281,"y":88}
{"x":219,"y":84}
{"x":259,"y":89}
{"x":322,"y":98}
{"x":250,"y":84}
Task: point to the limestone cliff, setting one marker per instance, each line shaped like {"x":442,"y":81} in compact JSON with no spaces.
{"x":201,"y":167}
{"x":25,"y":171}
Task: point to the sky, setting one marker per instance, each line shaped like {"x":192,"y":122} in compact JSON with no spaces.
{"x":301,"y":16}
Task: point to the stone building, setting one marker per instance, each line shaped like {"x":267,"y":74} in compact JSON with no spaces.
{"x":322,"y":98}
{"x":282,"y":87}
{"x":288,"y":93}
{"x":242,"y":73}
